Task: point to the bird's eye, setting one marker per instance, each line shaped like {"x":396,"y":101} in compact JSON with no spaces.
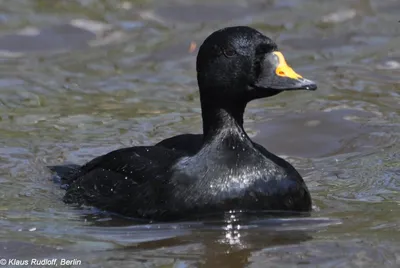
{"x":229,"y":52}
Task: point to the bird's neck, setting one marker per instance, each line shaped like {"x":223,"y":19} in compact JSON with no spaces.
{"x":222,"y":117}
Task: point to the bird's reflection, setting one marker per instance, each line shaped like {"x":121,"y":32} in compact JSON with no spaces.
{"x":227,"y":240}
{"x":231,"y":230}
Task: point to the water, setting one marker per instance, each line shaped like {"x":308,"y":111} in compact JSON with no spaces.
{"x":80,"y":78}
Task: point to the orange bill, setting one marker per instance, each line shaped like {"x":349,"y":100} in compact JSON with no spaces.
{"x":283,"y":68}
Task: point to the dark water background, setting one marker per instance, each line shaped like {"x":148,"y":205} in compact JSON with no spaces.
{"x":79,"y":78}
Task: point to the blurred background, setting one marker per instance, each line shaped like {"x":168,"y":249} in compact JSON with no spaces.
{"x":79,"y":78}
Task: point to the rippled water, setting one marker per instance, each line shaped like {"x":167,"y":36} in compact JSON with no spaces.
{"x":80,"y":78}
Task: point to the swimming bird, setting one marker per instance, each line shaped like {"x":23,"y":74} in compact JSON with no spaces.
{"x":227,"y":171}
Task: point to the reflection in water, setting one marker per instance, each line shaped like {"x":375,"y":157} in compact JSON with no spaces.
{"x":227,"y":242}
{"x":231,"y":229}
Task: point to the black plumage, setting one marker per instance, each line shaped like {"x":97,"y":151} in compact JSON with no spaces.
{"x":218,"y":171}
